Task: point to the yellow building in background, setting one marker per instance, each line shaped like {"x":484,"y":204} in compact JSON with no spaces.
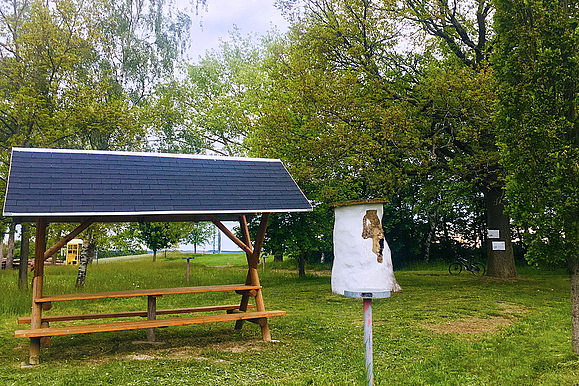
{"x":73,"y":248}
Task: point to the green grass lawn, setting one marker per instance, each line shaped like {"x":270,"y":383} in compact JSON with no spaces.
{"x":439,"y":330}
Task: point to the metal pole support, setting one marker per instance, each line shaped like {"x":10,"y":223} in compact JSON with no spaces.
{"x":367,"y":295}
{"x":368,"y":363}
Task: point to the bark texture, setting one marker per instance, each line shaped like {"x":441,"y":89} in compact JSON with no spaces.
{"x":500,"y":263}
{"x":302,"y":265}
{"x":56,"y":253}
{"x":2,"y":245}
{"x":24,"y":252}
{"x":574,"y":268}
{"x":87,"y":251}
{"x":10,"y":251}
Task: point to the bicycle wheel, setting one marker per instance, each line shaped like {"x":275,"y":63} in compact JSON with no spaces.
{"x":455,"y":268}
{"x":478,"y":269}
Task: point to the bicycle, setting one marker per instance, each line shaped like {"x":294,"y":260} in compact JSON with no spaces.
{"x":475,"y":268}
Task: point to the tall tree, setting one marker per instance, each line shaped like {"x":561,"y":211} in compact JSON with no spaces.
{"x":462,"y":131}
{"x":536,"y":64}
{"x":158,"y":236}
{"x":79,"y":74}
{"x":24,"y":252}
{"x":392,"y":119}
{"x":301,"y":236}
{"x":200,"y":233}
{"x":10,"y":247}
{"x":86,"y":253}
{"x":94,"y":237}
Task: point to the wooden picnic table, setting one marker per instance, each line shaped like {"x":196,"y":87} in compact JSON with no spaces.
{"x":233,"y":312}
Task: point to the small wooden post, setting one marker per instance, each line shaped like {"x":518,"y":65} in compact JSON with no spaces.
{"x":188,"y":258}
{"x":151,"y":315}
{"x":37,"y":282}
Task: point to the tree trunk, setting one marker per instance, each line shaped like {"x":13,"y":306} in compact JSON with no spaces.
{"x":24,"y":251}
{"x":574,"y":271}
{"x":278,"y":256}
{"x":432,"y":229}
{"x":195,"y":248}
{"x":87,"y":251}
{"x":154,"y":256}
{"x":501,"y":263}
{"x":10,"y":252}
{"x":2,"y":246}
{"x":57,"y":252}
{"x":302,"y":265}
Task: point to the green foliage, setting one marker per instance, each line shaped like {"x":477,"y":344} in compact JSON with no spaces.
{"x":303,"y":236}
{"x":213,"y":108}
{"x":139,"y":42}
{"x":79,"y":74}
{"x":199,"y":233}
{"x":353,"y":117}
{"x":536,"y":61}
{"x":158,"y":236}
{"x":306,"y":234}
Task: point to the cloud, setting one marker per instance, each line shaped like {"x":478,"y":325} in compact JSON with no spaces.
{"x":250,"y":16}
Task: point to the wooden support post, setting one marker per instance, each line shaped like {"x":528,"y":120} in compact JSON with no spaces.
{"x":245,"y":232}
{"x":151,"y":315}
{"x":246,"y":247}
{"x":62,"y":242}
{"x":259,"y":304}
{"x":252,"y":275}
{"x":45,"y":340}
{"x":37,"y":281}
{"x":247,"y":241}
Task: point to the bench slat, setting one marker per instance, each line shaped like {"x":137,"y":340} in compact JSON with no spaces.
{"x":122,"y":326}
{"x":126,"y":314}
{"x":146,"y":292}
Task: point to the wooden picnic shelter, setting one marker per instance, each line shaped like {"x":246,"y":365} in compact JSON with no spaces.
{"x":77,"y":186}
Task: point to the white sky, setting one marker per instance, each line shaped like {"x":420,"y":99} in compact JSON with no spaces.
{"x":214,"y":22}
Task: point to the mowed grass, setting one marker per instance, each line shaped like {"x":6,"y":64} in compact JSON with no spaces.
{"x":439,"y":330}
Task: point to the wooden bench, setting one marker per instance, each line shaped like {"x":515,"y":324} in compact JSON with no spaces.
{"x":256,"y":317}
{"x":128,"y":314}
{"x":233,"y":312}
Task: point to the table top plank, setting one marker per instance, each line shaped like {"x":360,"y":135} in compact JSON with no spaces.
{"x":146,"y":292}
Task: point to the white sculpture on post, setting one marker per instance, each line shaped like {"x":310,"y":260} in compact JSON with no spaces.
{"x":362,"y":258}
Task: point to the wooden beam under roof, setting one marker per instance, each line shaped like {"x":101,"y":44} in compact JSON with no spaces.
{"x":140,"y":218}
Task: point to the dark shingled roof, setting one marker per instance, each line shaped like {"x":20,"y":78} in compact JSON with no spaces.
{"x":64,"y":183}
